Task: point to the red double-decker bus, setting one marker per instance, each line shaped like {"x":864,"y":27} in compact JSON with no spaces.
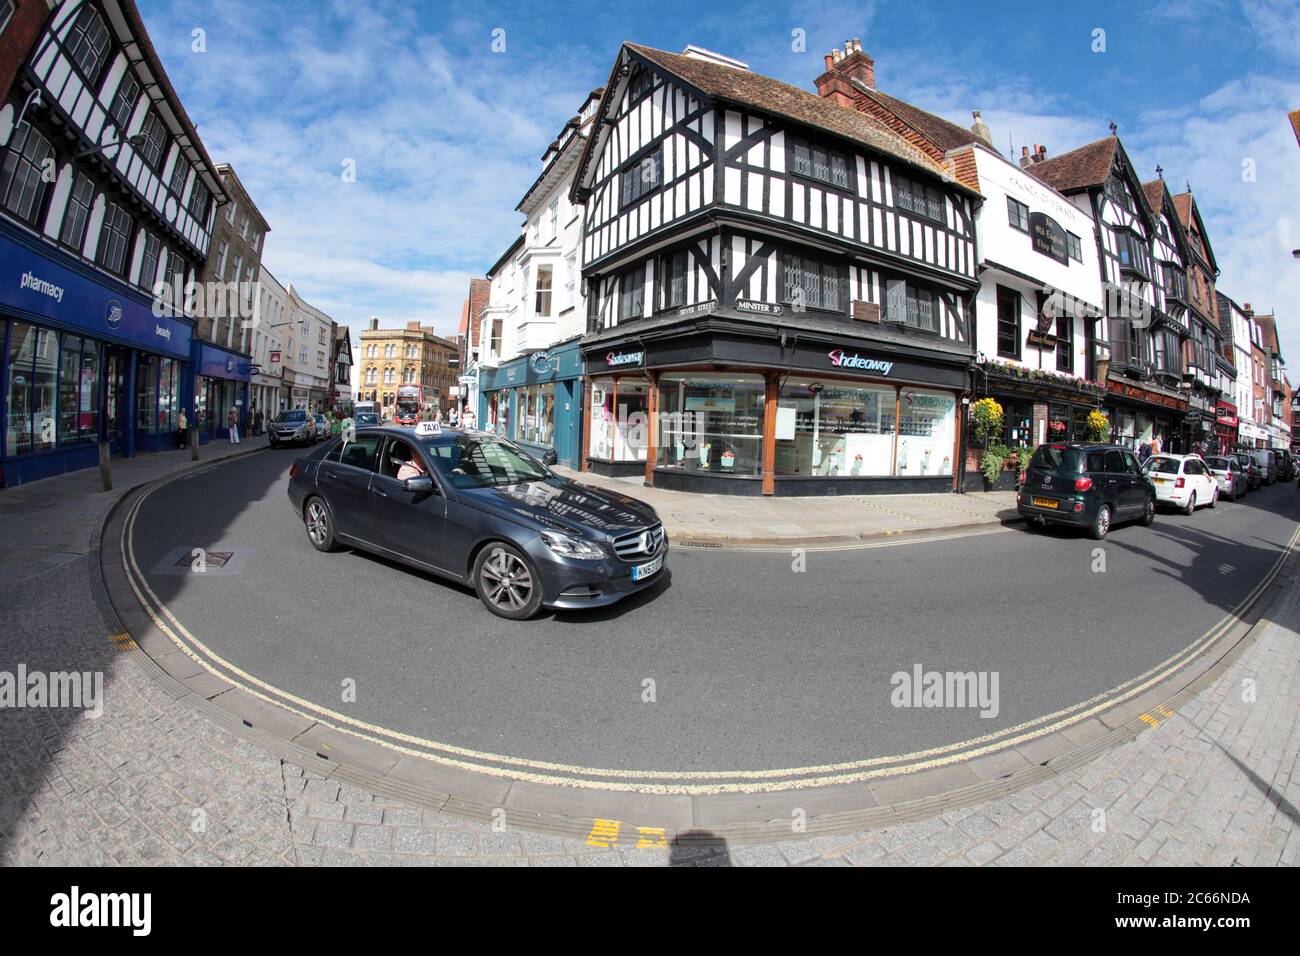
{"x":415,"y":403}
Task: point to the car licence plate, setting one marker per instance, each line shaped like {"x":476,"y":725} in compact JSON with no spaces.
{"x":1162,"y":481}
{"x":1046,"y":503}
{"x":643,"y":571}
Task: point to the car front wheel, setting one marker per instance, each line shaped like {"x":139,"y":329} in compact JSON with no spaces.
{"x":507,"y":583}
{"x":1100,"y":524}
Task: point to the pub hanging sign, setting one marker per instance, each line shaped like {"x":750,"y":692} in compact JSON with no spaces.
{"x":1048,"y":238}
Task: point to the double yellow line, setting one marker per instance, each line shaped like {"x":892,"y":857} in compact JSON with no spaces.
{"x":689,"y":782}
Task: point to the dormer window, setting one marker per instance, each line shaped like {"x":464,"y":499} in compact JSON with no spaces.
{"x":88,"y":44}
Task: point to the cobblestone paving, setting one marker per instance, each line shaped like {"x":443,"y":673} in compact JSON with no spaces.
{"x":151,"y":781}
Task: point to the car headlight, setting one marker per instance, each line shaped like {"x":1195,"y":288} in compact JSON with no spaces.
{"x":567,"y":546}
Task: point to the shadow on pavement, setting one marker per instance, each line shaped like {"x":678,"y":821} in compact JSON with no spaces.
{"x":699,"y":848}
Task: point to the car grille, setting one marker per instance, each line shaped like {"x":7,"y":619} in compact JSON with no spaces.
{"x":639,"y":544}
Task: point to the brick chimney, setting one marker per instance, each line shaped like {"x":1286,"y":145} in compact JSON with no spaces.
{"x":842,"y":67}
{"x":1024,"y":157}
{"x":374,"y":323}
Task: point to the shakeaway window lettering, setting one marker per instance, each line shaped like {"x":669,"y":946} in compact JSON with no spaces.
{"x":811,"y":284}
{"x":817,"y":162}
{"x":918,"y":198}
{"x":642,"y":176}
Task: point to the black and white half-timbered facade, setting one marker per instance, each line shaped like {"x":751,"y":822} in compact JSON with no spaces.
{"x":780,"y":289}
{"x":106,"y":196}
{"x":1143,"y":261}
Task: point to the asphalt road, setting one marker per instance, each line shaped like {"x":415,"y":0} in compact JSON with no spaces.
{"x":754,"y":665}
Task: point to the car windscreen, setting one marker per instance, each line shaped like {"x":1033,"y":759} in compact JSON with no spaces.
{"x":295,"y":416}
{"x":1057,"y":458}
{"x":367,"y":419}
{"x":476,"y":461}
{"x":1163,"y":466}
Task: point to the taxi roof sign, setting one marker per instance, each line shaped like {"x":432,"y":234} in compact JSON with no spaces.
{"x":428,"y":428}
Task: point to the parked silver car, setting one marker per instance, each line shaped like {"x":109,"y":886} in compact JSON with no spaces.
{"x":1229,"y":476}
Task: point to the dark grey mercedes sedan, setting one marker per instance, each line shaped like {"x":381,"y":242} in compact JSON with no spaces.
{"x":476,"y":508}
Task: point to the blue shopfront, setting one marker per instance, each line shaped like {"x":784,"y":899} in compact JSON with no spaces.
{"x":83,"y":359}
{"x":221,"y":380}
{"x":536,"y":400}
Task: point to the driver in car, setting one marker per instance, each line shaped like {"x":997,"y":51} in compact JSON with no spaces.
{"x":411,"y":468}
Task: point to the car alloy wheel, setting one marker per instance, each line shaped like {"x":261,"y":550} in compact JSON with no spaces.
{"x":1100,"y":524}
{"x":1149,"y":512}
{"x":506,"y":583}
{"x":320,"y":529}
{"x":1191,"y":504}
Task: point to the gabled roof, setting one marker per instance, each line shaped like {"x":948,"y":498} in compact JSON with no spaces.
{"x":1088,"y":167}
{"x":1187,"y":213}
{"x":1294,"y":117}
{"x":1157,"y":196}
{"x":1268,"y":333}
{"x":1081,"y":168}
{"x":764,"y":94}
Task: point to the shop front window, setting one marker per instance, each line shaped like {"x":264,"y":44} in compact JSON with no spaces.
{"x":620,"y":423}
{"x":45,"y":400}
{"x":200,"y":417}
{"x":926,"y":430}
{"x":712,"y":424}
{"x":546,"y":414}
{"x":69,"y":381}
{"x":168,"y":395}
{"x":833,"y":429}
{"x":18,"y":390}
{"x":146,"y":393}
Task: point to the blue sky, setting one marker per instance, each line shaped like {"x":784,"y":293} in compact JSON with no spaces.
{"x":447,"y":135}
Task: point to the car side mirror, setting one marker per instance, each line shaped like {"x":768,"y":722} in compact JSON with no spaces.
{"x":422,"y":484}
{"x":550,"y":458}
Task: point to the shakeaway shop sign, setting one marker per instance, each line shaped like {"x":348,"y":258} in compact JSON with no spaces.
{"x":35,"y":284}
{"x":846,"y":360}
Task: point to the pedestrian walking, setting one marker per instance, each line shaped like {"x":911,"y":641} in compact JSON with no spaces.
{"x":232,"y":422}
{"x":257,"y":423}
{"x":183,"y":429}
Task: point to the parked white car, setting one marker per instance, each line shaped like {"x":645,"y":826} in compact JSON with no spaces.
{"x":1184,"y":481}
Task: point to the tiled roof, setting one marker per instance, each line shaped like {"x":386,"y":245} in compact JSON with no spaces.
{"x":1268,"y":332}
{"x":1183,"y":205}
{"x":746,"y":88}
{"x":1295,"y":123}
{"x":964,"y":166}
{"x":1155,"y":193}
{"x":1079,"y":168}
{"x":936,"y":129}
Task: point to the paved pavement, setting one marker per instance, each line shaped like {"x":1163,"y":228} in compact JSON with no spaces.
{"x":831,"y":520}
{"x":152,"y":782}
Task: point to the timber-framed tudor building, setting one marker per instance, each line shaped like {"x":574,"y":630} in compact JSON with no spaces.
{"x":777,"y":285}
{"x":799,"y":293}
{"x":107,"y":196}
